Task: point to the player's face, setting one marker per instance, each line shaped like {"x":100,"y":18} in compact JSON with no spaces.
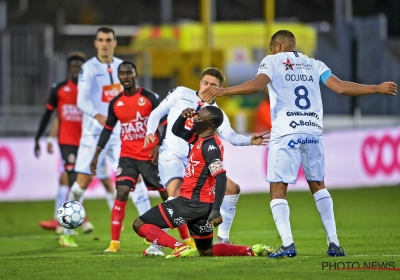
{"x":127,"y":76}
{"x":201,"y":121}
{"x":208,"y":81}
{"x":105,"y":44}
{"x":74,"y":68}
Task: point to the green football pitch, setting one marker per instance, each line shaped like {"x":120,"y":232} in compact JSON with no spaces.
{"x":368,"y":222}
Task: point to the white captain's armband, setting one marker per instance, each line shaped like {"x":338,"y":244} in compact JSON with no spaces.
{"x":216,"y":167}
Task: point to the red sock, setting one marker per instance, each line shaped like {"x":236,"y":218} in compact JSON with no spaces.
{"x":184,"y":231}
{"x":152,"y":232}
{"x":117,"y":217}
{"x":228,"y":250}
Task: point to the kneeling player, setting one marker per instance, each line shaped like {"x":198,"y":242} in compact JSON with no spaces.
{"x":201,"y":195}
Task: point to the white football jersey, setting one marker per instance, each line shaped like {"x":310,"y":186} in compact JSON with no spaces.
{"x":176,"y":101}
{"x":98,"y":84}
{"x":295,"y":96}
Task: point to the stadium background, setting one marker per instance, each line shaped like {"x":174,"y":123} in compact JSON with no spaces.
{"x":172,"y":41}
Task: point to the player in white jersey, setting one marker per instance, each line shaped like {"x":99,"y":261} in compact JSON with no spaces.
{"x":174,"y":150}
{"x":98,"y":84}
{"x":296,"y":112}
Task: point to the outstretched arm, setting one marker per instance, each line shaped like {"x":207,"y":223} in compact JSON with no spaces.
{"x":179,"y":129}
{"x":354,"y":89}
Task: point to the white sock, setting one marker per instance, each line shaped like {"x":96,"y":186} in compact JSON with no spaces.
{"x":228,"y":210}
{"x":324,"y":203}
{"x":140,"y":198}
{"x":280,"y":213}
{"x":110,"y":197}
{"x":61,"y":197}
{"x":76,"y":193}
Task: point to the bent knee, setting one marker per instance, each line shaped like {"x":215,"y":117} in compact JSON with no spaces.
{"x":137,"y":224}
{"x":232,"y":188}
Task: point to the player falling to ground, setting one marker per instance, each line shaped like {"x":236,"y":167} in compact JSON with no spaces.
{"x":201,"y":194}
{"x":98,"y":84}
{"x":296,"y":112}
{"x":131,"y":108}
{"x":63,"y":189}
{"x":174,"y":150}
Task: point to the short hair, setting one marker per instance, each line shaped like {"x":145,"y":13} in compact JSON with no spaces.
{"x":128,"y":62}
{"x":216,"y":115}
{"x":283,"y":33}
{"x":105,"y":29}
{"x":214,"y":72}
{"x":76,"y":56}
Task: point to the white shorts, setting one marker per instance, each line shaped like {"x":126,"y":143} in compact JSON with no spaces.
{"x":170,"y":166}
{"x":102,"y":170}
{"x":87,"y":148}
{"x":286,"y":153}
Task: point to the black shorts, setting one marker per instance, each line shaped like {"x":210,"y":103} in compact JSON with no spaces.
{"x":129,"y":170}
{"x":68,"y":154}
{"x":179,"y":211}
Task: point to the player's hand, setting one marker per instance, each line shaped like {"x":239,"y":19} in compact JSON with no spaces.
{"x":210,"y":93}
{"x":154,"y":154}
{"x":101,"y":119}
{"x":93,"y":166}
{"x":50,"y":148}
{"x":214,"y":218}
{"x":189,"y":113}
{"x":149,"y":139}
{"x":260,"y":139}
{"x":388,"y":88}
{"x":37,"y":149}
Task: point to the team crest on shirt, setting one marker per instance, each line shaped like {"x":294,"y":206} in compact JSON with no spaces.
{"x":119,"y":171}
{"x":288,"y":65}
{"x":141,"y":101}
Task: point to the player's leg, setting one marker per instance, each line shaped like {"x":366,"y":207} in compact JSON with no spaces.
{"x":282,"y":168}
{"x":140,"y":197}
{"x":228,"y":210}
{"x":61,"y":197}
{"x":165,"y":215}
{"x":125,"y":182}
{"x":171,"y":169}
{"x":313,"y":162}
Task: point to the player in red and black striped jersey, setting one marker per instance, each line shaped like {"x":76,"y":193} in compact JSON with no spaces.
{"x":131,"y":108}
{"x":201,"y":196}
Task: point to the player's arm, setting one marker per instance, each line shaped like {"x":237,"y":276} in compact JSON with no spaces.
{"x":53,"y":134}
{"x":354,"y":89}
{"x":212,"y":156}
{"x":105,"y":135}
{"x":50,"y":107}
{"x":84,"y":101}
{"x":179,"y":129}
{"x":156,"y":116}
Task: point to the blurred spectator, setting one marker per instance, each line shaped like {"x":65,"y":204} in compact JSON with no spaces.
{"x":262,"y":115}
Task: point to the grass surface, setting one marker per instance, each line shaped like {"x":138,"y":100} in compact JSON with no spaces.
{"x":368,"y":225}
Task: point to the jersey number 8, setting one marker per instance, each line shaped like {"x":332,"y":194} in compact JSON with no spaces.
{"x":300,"y":97}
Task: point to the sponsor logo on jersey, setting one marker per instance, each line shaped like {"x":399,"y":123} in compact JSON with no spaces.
{"x":294,"y":124}
{"x":141,"y":101}
{"x":211,"y":147}
{"x":206,"y":228}
{"x":308,"y":114}
{"x":120,"y":103}
{"x":67,"y":89}
{"x":179,"y":221}
{"x":70,"y":112}
{"x":297,"y":78}
{"x":188,"y":100}
{"x":288,"y":65}
{"x":292,"y":143}
{"x":263,"y":66}
{"x":134,"y":129}
{"x":303,"y":66}
{"x":110,"y":91}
